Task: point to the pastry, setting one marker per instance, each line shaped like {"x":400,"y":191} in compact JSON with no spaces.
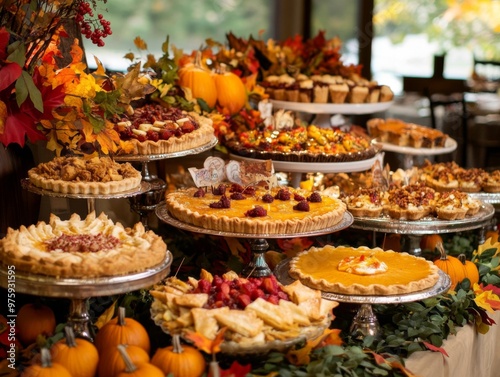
{"x":365,"y":202}
{"x":255,"y":210}
{"x":76,"y":175}
{"x":492,"y":182}
{"x":154,"y":129}
{"x":411,"y":202}
{"x":338,"y":92}
{"x":318,"y":268}
{"x":79,"y":248}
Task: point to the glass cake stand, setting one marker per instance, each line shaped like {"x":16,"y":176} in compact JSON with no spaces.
{"x":258,"y":243}
{"x":146,"y":203}
{"x":365,"y":322}
{"x":79,"y":290}
{"x":144,"y":187}
{"x":413,"y":230}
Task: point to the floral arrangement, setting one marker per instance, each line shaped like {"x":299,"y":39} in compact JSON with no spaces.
{"x":41,"y":98}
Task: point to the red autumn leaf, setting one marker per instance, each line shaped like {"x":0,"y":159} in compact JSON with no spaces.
{"x":236,"y":370}
{"x":9,"y":73}
{"x":491,"y":287}
{"x":379,"y":359}
{"x":433,"y":348}
{"x":4,"y":42}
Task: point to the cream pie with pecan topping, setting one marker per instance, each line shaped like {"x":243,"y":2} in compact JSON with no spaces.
{"x":323,"y":269}
{"x":77,"y":248}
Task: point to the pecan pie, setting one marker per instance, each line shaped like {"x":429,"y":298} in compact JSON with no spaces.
{"x":89,"y":247}
{"x":403,"y":273}
{"x":76,"y":175}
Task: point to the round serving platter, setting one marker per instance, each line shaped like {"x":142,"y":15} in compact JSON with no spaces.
{"x":449,"y":146}
{"x":164,"y":215}
{"x":81,"y":288}
{"x":333,"y":108}
{"x":163,"y":156}
{"x":441,"y":286}
{"x":426,"y":225}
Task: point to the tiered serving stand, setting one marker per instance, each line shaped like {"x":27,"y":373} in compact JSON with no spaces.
{"x":79,"y":290}
{"x":258,"y":242}
{"x":146,"y":203}
{"x":413,"y":230}
{"x":365,"y":322}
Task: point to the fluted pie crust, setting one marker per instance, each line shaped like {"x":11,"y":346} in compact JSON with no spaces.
{"x":75,"y":175}
{"x":27,"y":248}
{"x":317,"y":268}
{"x":281,"y":218}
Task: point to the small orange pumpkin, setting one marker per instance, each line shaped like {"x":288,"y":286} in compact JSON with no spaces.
{"x":199,"y":80}
{"x":121,"y":330}
{"x":429,"y":241}
{"x":471,"y":270}
{"x":451,"y":266}
{"x":32,"y":320}
{"x":493,"y":234}
{"x":137,"y":370}
{"x":181,"y":361}
{"x":46,"y":368}
{"x":79,"y":356}
{"x":231,"y":92}
{"x":111,"y":362}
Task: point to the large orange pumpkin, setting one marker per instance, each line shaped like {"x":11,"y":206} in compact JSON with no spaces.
{"x":471,"y":270}
{"x":231,"y":92}
{"x":199,"y":80}
{"x":451,"y":266}
{"x":79,"y":356}
{"x":46,"y":368}
{"x":181,"y":361}
{"x":32,"y":320}
{"x":137,"y":370}
{"x":121,"y":330}
{"x":111,"y":361}
{"x":429,"y":241}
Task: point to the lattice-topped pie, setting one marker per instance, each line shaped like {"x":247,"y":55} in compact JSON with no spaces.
{"x":76,"y":175}
{"x":254,"y":209}
{"x":89,"y":247}
{"x":377,"y":272}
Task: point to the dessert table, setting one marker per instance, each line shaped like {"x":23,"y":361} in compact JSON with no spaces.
{"x":469,"y":354}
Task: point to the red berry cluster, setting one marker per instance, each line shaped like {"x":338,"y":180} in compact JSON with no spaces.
{"x":95,"y":30}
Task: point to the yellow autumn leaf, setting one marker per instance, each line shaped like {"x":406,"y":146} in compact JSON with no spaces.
{"x":106,"y":316}
{"x":140,"y":43}
{"x":100,"y":71}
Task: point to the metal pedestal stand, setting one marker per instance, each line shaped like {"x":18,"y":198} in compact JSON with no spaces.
{"x":146,"y":203}
{"x":365,"y":322}
{"x":414,"y":230}
{"x":79,"y":290}
{"x":258,"y":267}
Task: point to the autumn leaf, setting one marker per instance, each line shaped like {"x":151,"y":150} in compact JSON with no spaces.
{"x":380,"y":360}
{"x":204,"y":344}
{"x":140,"y":43}
{"x":106,"y":316}
{"x":432,"y":347}
{"x":236,"y":370}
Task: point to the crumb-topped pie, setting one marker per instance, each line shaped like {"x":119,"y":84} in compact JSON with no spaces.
{"x":76,"y":175}
{"x":76,"y":248}
{"x":254,"y":209}
{"x":370,"y":272}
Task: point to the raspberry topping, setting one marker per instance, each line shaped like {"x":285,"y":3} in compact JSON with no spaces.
{"x":237,"y":196}
{"x":267,"y":198}
{"x":236,"y":188}
{"x":219,"y":190}
{"x":302,"y":206}
{"x":256,"y":211}
{"x":298,"y":197}
{"x":200,"y":193}
{"x":283,"y":194}
{"x":315,"y":197}
{"x":224,"y":202}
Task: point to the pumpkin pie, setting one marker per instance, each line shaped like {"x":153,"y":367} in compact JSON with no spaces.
{"x":255,"y":209}
{"x":399,"y":273}
{"x":91,"y":247}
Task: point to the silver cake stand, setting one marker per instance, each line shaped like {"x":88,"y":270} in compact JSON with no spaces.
{"x":258,"y":243}
{"x":79,"y":290}
{"x":413,"y":230}
{"x":365,"y":322}
{"x":146,"y":203}
{"x":144,"y":187}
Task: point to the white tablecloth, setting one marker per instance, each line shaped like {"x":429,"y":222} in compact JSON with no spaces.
{"x":470,"y":355}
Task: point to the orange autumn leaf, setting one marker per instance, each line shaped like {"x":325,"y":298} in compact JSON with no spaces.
{"x":301,"y":355}
{"x":380,"y":360}
{"x":3,"y":116}
{"x":432,"y":347}
{"x":204,"y":344}
{"x":331,"y":338}
{"x":140,"y":43}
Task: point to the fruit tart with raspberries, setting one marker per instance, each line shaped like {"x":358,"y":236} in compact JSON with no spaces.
{"x":255,"y":209}
{"x":155,"y":129}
